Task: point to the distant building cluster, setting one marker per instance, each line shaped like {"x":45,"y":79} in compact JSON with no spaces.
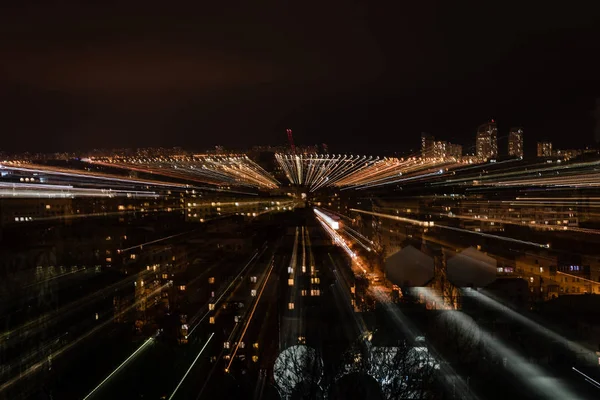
{"x":486,"y":146}
{"x":431,"y":148}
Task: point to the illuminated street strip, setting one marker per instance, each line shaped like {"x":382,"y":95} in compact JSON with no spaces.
{"x":191,"y":366}
{"x":333,"y":224}
{"x":348,"y":231}
{"x":539,"y":381}
{"x":116,"y":370}
{"x":266,"y":280}
{"x":336,"y":238}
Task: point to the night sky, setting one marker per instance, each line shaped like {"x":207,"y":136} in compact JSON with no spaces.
{"x":366,"y":78}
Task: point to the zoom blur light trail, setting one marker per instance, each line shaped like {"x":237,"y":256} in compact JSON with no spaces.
{"x":235,"y":170}
{"x":317,"y":171}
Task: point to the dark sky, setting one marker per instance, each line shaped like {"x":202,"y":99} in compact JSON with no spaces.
{"x":363,"y":77}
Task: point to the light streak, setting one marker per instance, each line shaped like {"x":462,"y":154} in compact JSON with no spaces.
{"x":395,"y":217}
{"x":489,"y":235}
{"x":588,"y":378}
{"x":116,"y":370}
{"x":191,"y":366}
{"x":251,"y":315}
{"x":215,"y":170}
{"x":317,"y":171}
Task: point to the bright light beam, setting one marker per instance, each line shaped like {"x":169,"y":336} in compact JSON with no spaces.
{"x":120,"y":367}
{"x":191,"y":366}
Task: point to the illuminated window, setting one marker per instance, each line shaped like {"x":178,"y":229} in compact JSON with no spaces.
{"x":253,"y":292}
{"x":132,"y":256}
{"x":315,"y":292}
{"x":211,"y":280}
{"x":290,"y":270}
{"x":541,"y":269}
{"x":165,"y":276}
{"x":291,"y":282}
{"x":226,"y":345}
{"x":211,"y":320}
{"x":531,"y":279}
{"x":304,"y":292}
{"x":255,"y":358}
{"x":108,"y":259}
{"x":211,"y":306}
{"x":48,"y":206}
{"x":255,"y":345}
{"x":315,"y":280}
{"x":290,"y":306}
{"x":182,"y":287}
{"x":253,"y":279}
{"x":304,"y":269}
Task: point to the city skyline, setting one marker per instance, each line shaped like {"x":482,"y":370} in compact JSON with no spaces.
{"x":281,"y":200}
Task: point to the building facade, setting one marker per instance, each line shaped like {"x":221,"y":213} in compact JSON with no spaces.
{"x":487,"y":141}
{"x":515,"y":142}
{"x":544,"y":149}
{"x":427,"y":145}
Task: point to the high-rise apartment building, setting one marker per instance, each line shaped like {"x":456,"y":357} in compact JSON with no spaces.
{"x":515,"y":142}
{"x":427,"y":145}
{"x":544,"y":149}
{"x":487,"y":140}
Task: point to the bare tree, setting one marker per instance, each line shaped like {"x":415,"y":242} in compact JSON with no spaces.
{"x":404,"y":371}
{"x":297,"y":372}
